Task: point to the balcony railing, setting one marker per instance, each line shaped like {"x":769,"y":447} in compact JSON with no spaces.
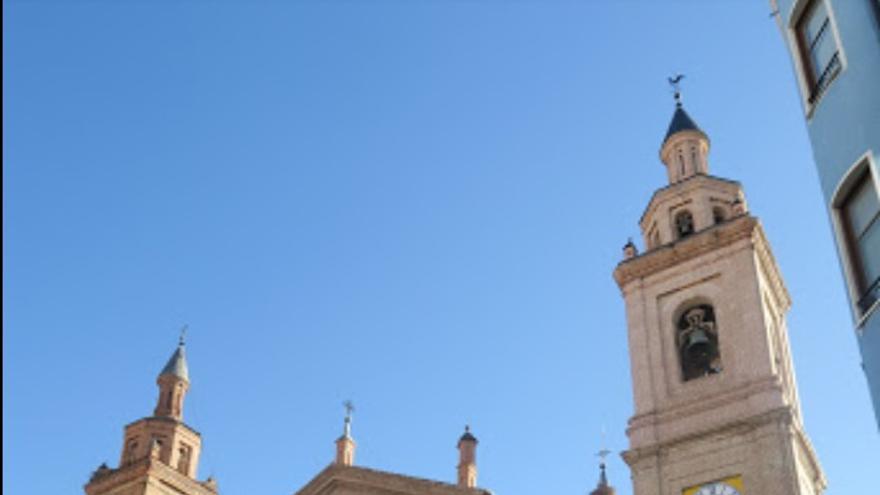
{"x":869,"y":297}
{"x":821,"y":83}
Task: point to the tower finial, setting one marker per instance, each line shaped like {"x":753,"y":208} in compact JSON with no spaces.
{"x":183,"y":329}
{"x":602,"y":455}
{"x":675,"y":82}
{"x":349,"y":408}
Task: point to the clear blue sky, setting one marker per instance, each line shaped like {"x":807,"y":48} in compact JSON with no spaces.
{"x":413,"y":204}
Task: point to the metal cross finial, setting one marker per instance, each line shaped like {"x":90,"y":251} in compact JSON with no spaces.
{"x":675,"y":82}
{"x":349,"y":408}
{"x":603,"y":452}
{"x":183,"y":333}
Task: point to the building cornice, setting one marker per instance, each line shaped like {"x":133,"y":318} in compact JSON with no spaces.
{"x":782,"y":415}
{"x":702,"y":242}
{"x":163,"y":419}
{"x":145,"y":469}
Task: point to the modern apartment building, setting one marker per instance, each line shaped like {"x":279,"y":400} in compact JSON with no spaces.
{"x":835,"y":51}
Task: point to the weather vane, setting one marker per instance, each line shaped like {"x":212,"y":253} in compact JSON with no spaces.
{"x":675,"y":82}
{"x":183,"y":333}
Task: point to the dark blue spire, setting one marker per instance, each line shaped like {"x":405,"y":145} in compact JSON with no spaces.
{"x":681,"y":121}
{"x":176,"y":366}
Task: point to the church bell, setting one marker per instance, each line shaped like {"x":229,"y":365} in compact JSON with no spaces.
{"x":698,"y":348}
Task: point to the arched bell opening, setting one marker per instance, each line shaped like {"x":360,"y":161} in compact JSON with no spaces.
{"x":697,"y":342}
{"x":684,"y":224}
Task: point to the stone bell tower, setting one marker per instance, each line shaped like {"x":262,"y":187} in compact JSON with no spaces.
{"x":716,"y":404}
{"x":160,"y":453}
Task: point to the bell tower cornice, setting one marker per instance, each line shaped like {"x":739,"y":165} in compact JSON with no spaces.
{"x":707,"y":241}
{"x":111,"y":479}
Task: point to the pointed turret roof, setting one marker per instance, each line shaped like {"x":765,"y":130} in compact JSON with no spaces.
{"x":176,"y":365}
{"x":681,"y":121}
{"x":603,"y":488}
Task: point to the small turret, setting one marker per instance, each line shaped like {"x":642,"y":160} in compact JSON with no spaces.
{"x":602,"y":487}
{"x":173,"y":383}
{"x":345,"y":444}
{"x":630,"y":250}
{"x":467,"y":459}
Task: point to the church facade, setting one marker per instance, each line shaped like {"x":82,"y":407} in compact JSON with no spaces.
{"x":716,"y":404}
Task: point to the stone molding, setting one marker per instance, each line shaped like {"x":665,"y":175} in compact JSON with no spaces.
{"x":783,"y":416}
{"x":163,"y":419}
{"x":690,"y":408}
{"x":692,"y":183}
{"x":146,"y":469}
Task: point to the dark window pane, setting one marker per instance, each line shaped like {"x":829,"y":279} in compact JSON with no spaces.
{"x":822,"y":52}
{"x":862,"y":206}
{"x":815,"y":21}
{"x":869,"y":252}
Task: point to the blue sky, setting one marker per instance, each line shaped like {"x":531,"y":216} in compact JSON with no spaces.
{"x":413,"y":204}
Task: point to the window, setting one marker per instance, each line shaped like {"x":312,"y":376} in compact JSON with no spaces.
{"x":718,"y":214}
{"x":131,"y":451}
{"x":860,"y":213}
{"x":684,"y":224}
{"x":183,"y":458}
{"x":818,"y":49}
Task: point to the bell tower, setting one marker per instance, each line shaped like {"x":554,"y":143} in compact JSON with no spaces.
{"x":160,"y":453}
{"x":716,"y":404}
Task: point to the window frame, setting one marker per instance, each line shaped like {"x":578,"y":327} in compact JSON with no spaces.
{"x":801,"y":54}
{"x":846,"y":248}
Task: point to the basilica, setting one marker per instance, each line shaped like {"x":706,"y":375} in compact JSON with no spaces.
{"x":716,"y":403}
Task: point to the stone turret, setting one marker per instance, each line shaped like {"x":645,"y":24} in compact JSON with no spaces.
{"x":467,"y":459}
{"x":345,"y":444}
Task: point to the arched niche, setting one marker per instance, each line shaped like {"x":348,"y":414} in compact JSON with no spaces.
{"x":696,"y":337}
